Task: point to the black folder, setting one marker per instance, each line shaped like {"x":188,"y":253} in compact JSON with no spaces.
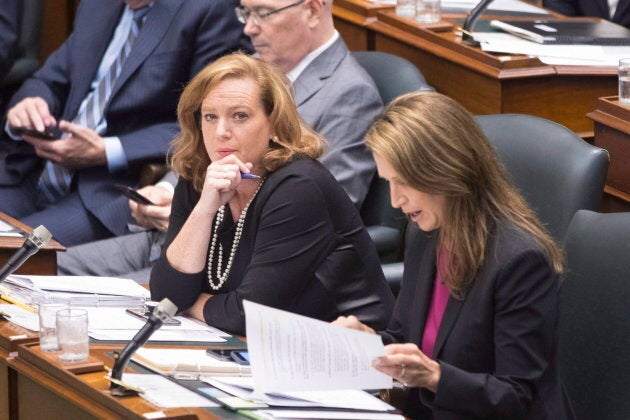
{"x":551,"y":31}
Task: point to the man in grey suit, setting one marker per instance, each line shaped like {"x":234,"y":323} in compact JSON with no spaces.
{"x":333,"y":93}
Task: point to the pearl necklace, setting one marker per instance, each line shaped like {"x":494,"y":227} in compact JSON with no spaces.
{"x":222,"y":274}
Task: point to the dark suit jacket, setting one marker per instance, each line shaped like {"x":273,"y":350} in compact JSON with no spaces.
{"x":497,"y":347}
{"x":178,"y":38}
{"x":596,"y":8}
{"x":10,"y":16}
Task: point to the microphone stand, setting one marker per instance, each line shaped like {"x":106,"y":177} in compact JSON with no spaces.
{"x":469,"y":24}
{"x":162,"y":313}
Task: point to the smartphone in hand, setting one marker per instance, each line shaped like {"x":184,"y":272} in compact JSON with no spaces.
{"x":49,"y":133}
{"x":134,"y":195}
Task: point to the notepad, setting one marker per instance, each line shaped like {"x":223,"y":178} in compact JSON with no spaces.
{"x":548,"y":31}
{"x":186,"y":363}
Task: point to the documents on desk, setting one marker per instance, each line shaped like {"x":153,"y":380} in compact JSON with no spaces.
{"x":77,"y":290}
{"x":165,"y":393}
{"x":114,"y":324}
{"x":515,"y":7}
{"x":290,"y":352}
{"x":243,"y":387}
{"x":186,"y":363}
{"x":573,"y":55}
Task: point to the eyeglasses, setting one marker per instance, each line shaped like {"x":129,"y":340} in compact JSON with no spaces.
{"x":244,"y":14}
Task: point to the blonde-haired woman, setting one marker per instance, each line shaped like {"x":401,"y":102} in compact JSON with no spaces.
{"x":289,"y":237}
{"x":473,"y":333}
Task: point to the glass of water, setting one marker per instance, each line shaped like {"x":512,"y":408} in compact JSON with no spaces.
{"x":428,"y":11}
{"x":624,"y":81}
{"x":406,"y":8}
{"x":72,"y":335}
{"x":47,"y":314}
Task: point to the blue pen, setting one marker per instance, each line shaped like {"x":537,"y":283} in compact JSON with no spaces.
{"x":249,"y":176}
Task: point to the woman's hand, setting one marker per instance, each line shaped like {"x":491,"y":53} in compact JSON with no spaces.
{"x":222,"y":179}
{"x":410,"y":366}
{"x":353,"y":323}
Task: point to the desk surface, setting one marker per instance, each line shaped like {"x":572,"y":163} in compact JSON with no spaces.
{"x":484,"y":83}
{"x":47,"y":390}
{"x":44,"y":262}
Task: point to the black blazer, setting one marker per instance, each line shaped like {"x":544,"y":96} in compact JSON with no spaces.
{"x":497,"y":347}
{"x":596,"y":8}
{"x":178,"y":38}
{"x":304,"y":249}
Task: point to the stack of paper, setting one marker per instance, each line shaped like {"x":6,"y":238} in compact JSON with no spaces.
{"x":186,"y":363}
{"x":570,"y":55}
{"x":77,"y":290}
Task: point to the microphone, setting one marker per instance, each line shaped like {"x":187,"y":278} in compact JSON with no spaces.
{"x":163,"y":312}
{"x":32,"y":244}
{"x":469,"y":24}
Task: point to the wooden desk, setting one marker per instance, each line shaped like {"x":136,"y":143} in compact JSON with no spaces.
{"x":491,"y":84}
{"x":612,"y":132}
{"x":11,"y":336}
{"x":48,"y":391}
{"x":43,"y":262}
{"x":351,"y":19}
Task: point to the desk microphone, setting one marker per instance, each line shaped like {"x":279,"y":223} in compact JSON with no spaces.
{"x":162,"y":313}
{"x":33,"y":243}
{"x":469,"y":24}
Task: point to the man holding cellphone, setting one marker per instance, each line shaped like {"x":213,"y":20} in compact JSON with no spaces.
{"x":112,"y":88}
{"x":333,"y":93}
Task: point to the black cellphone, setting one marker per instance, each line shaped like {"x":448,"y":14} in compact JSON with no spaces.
{"x":49,"y":133}
{"x":220,"y":354}
{"x":144,"y":315}
{"x":241,"y":357}
{"x":133,"y":194}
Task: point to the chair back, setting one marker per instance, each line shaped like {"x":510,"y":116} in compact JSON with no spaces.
{"x":556,"y":171}
{"x":386,"y":224}
{"x":594,"y":325}
{"x":27,"y":51}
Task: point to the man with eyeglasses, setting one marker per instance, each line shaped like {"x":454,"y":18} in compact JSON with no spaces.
{"x":333,"y":92}
{"x":334,"y":95}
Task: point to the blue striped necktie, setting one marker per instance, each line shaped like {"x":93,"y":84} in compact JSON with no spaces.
{"x":55,"y":180}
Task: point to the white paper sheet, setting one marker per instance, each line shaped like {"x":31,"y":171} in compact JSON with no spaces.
{"x":159,"y":335}
{"x":588,"y":55}
{"x":21,"y":317}
{"x":86,"y":284}
{"x":498,"y":5}
{"x":165,"y":393}
{"x":289,"y":352}
{"x":313,"y":414}
{"x":243,"y":387}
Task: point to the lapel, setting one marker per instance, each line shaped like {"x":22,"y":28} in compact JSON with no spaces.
{"x":153,"y":30}
{"x":453,"y":307}
{"x":424,"y":277}
{"x":312,"y":78}
{"x":93,"y":35}
{"x":622,"y":9}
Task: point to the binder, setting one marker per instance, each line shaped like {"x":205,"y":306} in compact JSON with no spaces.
{"x":554,"y":31}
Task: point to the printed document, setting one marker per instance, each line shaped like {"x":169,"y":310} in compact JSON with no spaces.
{"x":290,"y":352}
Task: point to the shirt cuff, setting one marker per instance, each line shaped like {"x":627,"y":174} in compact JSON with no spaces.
{"x":115,"y":154}
{"x":10,"y":133}
{"x":166,"y":185}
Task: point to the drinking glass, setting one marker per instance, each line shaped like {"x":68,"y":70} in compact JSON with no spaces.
{"x":428,"y":11}
{"x":624,"y":81}
{"x":47,"y":314}
{"x":406,"y":8}
{"x":72,"y":335}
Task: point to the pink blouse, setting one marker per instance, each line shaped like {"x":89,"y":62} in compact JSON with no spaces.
{"x":439,"y":299}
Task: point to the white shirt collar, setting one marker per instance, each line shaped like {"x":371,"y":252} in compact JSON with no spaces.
{"x":294,"y":73}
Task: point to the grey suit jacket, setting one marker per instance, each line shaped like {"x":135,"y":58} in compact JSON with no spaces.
{"x":337,"y":97}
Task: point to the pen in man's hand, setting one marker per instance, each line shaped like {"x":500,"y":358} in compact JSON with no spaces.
{"x":249,"y":176}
